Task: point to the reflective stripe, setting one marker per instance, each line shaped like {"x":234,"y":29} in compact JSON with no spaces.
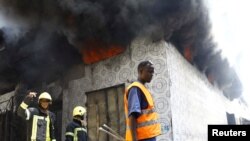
{"x":69,"y":134}
{"x":48,"y":129}
{"x":147,"y":123}
{"x":148,"y":111}
{"x":27,"y":111}
{"x":24,"y":105}
{"x":80,"y":129}
{"x":75,"y":132}
{"x":34,"y":127}
{"x":53,"y":140}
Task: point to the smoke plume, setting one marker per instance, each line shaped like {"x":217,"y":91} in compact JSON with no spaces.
{"x":39,"y":34}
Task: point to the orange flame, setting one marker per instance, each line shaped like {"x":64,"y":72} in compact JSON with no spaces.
{"x":94,"y":51}
{"x":188,"y":53}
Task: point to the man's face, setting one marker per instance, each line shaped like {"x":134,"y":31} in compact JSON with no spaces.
{"x":147,"y":73}
{"x":44,"y":103}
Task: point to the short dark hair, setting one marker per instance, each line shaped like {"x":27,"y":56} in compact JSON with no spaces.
{"x":144,"y":64}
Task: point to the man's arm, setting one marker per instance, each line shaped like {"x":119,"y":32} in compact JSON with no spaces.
{"x":23,"y":110}
{"x":134,"y":109}
{"x":69,"y":135}
{"x":133,"y":126}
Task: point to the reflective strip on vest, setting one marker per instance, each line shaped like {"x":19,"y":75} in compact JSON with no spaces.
{"x":48,"y":129}
{"x":34,"y":127}
{"x":148,"y":111}
{"x":80,"y":129}
{"x":147,"y":123}
{"x":69,"y":134}
{"x":24,"y":105}
{"x":74,"y":135}
{"x":27,"y":112}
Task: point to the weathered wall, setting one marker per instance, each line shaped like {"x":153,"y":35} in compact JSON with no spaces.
{"x":5,"y":101}
{"x":195,"y":103}
{"x":119,"y":70}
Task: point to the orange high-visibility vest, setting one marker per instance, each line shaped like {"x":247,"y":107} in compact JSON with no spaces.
{"x":147,"y":123}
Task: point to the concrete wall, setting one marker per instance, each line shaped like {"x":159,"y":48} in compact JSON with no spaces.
{"x":5,"y":101}
{"x":195,"y":103}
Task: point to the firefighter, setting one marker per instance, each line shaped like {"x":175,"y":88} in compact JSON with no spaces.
{"x":76,"y":130}
{"x":40,"y":120}
{"x":141,"y":118}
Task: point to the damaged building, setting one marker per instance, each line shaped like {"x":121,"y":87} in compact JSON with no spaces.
{"x":86,"y":53}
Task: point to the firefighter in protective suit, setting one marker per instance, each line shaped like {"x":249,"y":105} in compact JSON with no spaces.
{"x":40,"y":120}
{"x":76,"y":130}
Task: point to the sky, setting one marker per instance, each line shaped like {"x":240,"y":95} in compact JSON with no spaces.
{"x":230,"y":21}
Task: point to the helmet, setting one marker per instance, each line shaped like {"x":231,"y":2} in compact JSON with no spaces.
{"x":79,"y":111}
{"x":44,"y":95}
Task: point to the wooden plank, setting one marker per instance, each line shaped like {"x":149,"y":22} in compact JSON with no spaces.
{"x":102,"y":119}
{"x":122,"y":126}
{"x":92,"y":122}
{"x":97,"y":115}
{"x":112,"y":110}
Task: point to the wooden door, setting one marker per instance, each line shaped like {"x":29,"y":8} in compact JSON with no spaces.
{"x":105,"y":106}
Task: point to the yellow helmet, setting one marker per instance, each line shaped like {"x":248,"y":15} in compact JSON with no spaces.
{"x":79,"y":111}
{"x":45,"y":95}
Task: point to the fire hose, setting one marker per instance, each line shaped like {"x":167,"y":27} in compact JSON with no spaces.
{"x":111,"y":132}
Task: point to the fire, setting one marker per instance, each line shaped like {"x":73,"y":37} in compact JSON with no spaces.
{"x":94,"y":51}
{"x":188,"y":54}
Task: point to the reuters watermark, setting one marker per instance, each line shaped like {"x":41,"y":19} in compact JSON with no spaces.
{"x":237,"y":132}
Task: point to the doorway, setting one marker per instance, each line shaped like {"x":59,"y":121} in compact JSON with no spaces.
{"x":105,"y":106}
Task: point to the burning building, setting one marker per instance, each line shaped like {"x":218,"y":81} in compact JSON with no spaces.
{"x":86,"y":52}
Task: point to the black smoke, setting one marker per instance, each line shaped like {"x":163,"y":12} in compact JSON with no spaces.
{"x":111,"y":21}
{"x":52,"y":32}
{"x":40,"y":56}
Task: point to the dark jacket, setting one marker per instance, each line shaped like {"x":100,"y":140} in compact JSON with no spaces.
{"x":76,"y":132}
{"x":37,"y":122}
